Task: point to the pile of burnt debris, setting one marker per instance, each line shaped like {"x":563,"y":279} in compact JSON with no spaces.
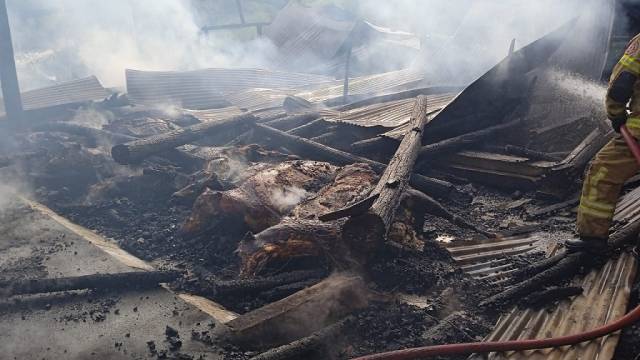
{"x":335,"y":226}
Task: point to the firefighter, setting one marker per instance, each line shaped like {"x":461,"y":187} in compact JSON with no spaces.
{"x":614,"y":164}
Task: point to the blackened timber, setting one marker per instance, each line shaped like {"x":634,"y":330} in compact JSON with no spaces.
{"x":566,"y":268}
{"x":307,"y":345}
{"x":422,"y":203}
{"x":257,"y":285}
{"x":369,"y":230}
{"x":135,"y":151}
{"x":459,"y":142}
{"x":125,"y":280}
{"x":358,"y":208}
{"x":311,"y":150}
{"x":308,"y":130}
{"x":291,"y":122}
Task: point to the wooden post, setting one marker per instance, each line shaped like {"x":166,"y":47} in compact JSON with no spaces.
{"x":8,"y":74}
{"x":370,"y":229}
{"x":240,"y":13}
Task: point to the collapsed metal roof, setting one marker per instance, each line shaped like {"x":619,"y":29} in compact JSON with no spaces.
{"x":66,"y":93}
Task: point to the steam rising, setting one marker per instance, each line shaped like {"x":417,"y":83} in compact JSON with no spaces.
{"x":67,"y":39}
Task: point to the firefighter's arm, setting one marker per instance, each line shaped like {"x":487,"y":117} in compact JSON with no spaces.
{"x":620,"y":91}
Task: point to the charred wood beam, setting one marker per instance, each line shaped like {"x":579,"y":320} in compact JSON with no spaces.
{"x":135,"y":279}
{"x":74,"y":129}
{"x":309,"y":129}
{"x":356,"y":209}
{"x":291,"y":122}
{"x":288,"y":319}
{"x":549,"y":296}
{"x":308,"y":149}
{"x":418,"y":201}
{"x":307,"y":345}
{"x":566,"y":268}
{"x":257,"y":285}
{"x":522,"y":151}
{"x":370,"y":229}
{"x":401,"y":95}
{"x":135,"y":151}
{"x":459,"y":142}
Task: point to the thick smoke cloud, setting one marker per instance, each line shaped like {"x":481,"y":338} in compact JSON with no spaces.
{"x":66,"y":39}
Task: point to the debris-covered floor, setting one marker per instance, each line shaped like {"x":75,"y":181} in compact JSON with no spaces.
{"x":286,"y":220}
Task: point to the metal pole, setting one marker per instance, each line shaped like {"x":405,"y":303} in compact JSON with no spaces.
{"x":240,"y":13}
{"x":8,"y":74}
{"x":345,"y":89}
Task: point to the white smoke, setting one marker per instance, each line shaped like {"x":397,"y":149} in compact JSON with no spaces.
{"x":67,"y":39}
{"x":287,"y":197}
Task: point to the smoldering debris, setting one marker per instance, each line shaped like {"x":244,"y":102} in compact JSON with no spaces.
{"x":322,"y":222}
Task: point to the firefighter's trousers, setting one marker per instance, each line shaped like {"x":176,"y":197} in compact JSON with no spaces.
{"x":609,"y":170}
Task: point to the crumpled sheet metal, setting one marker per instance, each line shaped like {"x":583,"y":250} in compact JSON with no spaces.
{"x":605,"y":298}
{"x":390,"y":114}
{"x":489,"y":259}
{"x":208,"y":88}
{"x":66,"y":93}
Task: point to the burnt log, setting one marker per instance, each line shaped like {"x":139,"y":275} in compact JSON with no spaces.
{"x":308,"y":130}
{"x":125,"y":280}
{"x":356,"y":209}
{"x":95,"y":134}
{"x":261,"y":200}
{"x":302,"y":313}
{"x":313,"y":343}
{"x":459,"y":142}
{"x":308,"y":149}
{"x":566,"y":268}
{"x":522,"y":151}
{"x":290,"y":239}
{"x":291,"y":122}
{"x":135,"y":151}
{"x":544,"y":298}
{"x":257,"y":285}
{"x":369,"y":230}
{"x":378,"y":145}
{"x":422,"y":203}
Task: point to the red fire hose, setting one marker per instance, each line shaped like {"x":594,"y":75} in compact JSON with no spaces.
{"x":500,"y":346}
{"x":519,"y":345}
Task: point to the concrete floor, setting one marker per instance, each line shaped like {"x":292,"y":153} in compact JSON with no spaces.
{"x":83,"y":325}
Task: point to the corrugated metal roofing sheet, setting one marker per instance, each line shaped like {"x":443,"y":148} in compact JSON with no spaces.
{"x":388,"y":114}
{"x":363,"y":85}
{"x":70,"y":92}
{"x":604,"y":299}
{"x":491,"y":259}
{"x":208,"y":88}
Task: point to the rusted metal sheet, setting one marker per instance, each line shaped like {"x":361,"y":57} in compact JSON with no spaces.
{"x":388,"y":114}
{"x":208,"y":88}
{"x":490,"y":259}
{"x":604,"y":299}
{"x":67,"y":93}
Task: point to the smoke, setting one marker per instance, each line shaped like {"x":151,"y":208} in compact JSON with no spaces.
{"x":67,"y":39}
{"x":288,"y":196}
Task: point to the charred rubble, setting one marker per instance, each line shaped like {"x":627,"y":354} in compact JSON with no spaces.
{"x":328,"y":232}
